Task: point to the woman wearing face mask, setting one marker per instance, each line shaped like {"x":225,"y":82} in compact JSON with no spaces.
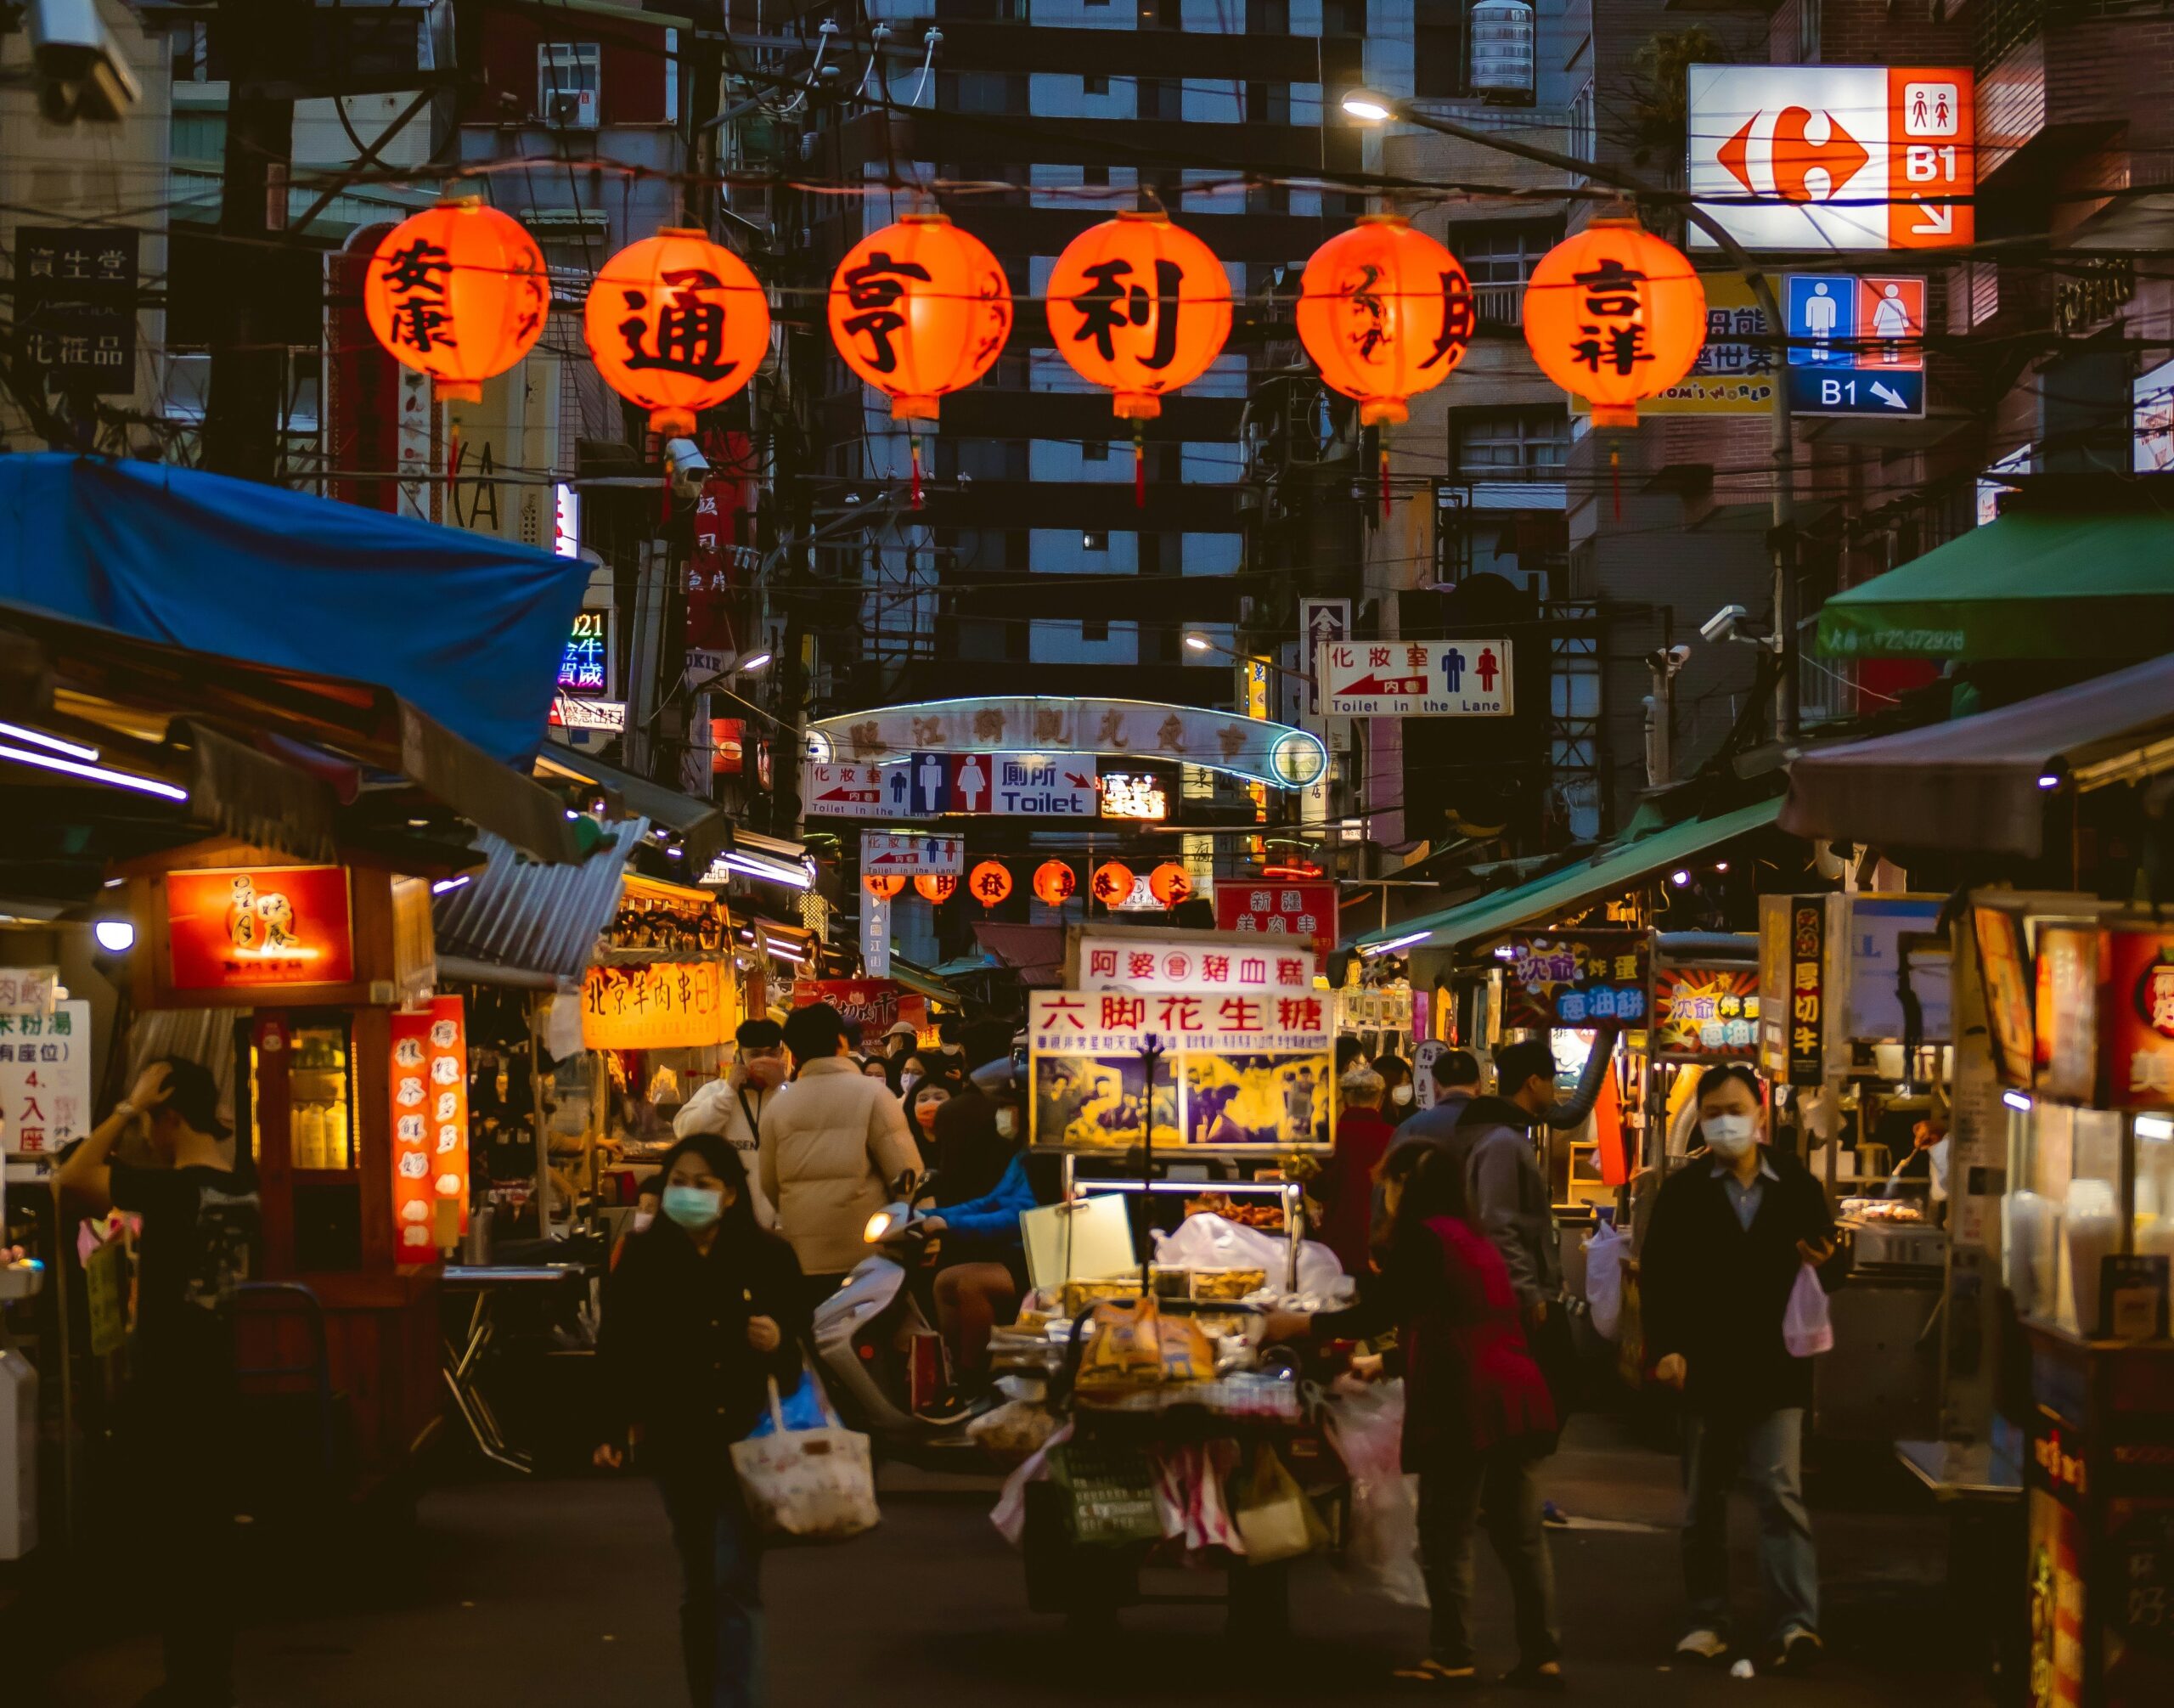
{"x":1396,"y":1086}
{"x":704,"y":1311}
{"x":922,"y":1102}
{"x":1732,"y":1230}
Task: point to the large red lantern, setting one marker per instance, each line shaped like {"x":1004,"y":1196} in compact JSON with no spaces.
{"x":457,"y":292}
{"x":882,"y":885}
{"x":1111,"y":882}
{"x":1615,"y":314}
{"x":1386,"y":312}
{"x":1055,"y":883}
{"x":1141,"y":306}
{"x":989,"y":882}
{"x":1170,"y":883}
{"x":918,"y":309}
{"x":936,"y":885}
{"x":676,"y":324}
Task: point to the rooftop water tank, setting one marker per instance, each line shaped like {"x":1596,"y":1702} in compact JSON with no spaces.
{"x":1502,"y":47}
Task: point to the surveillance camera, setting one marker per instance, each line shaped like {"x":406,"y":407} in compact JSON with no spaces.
{"x":687,"y":465}
{"x":1722,"y":623}
{"x":81,"y":70}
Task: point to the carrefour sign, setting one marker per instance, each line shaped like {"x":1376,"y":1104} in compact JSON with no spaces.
{"x":1844,"y":157}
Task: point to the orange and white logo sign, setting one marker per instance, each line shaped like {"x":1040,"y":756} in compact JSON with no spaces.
{"x":1844,"y":157}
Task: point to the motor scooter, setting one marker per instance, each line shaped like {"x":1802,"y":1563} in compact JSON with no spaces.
{"x":865,"y":1335}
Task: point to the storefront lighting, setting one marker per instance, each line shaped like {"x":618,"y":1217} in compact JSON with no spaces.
{"x":675,"y":853}
{"x":2154,"y":1127}
{"x":118,"y":937}
{"x":2049,"y":779}
{"x":1680,"y":878}
{"x":2016,"y":1100}
{"x":38,"y":738}
{"x":770,"y":871}
{"x":96,"y":773}
{"x":571,"y":813}
{"x":445,"y":885}
{"x":1394,"y":943}
{"x":1721,"y":865}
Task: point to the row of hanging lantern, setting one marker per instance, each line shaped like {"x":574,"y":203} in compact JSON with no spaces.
{"x":1055,"y":883}
{"x":1137,"y":305}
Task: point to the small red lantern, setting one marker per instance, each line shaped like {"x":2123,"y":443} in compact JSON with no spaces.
{"x":1055,"y":883}
{"x":676,"y":323}
{"x":882,"y":884}
{"x":1615,"y":314}
{"x":1112,"y":884}
{"x":1141,"y":306}
{"x":1170,"y":883}
{"x":989,"y":882}
{"x":936,"y":885}
{"x":457,"y":292}
{"x":1386,"y":312}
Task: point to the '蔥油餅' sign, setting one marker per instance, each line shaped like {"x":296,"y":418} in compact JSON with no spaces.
{"x":1575,"y":978}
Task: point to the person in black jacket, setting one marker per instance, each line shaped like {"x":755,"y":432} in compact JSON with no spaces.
{"x":704,"y":1311}
{"x":1732,"y":1230}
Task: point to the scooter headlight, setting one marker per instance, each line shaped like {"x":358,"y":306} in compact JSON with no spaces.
{"x":878,"y":1225}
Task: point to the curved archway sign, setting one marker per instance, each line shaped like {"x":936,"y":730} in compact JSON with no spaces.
{"x":1253,"y":748}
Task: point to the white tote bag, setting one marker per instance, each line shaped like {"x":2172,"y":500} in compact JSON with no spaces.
{"x":814,"y":1484}
{"x":1806,"y":1329}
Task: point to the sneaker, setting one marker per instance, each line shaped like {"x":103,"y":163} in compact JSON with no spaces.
{"x":1801,"y":1649}
{"x":1704,"y":1645}
{"x":1550,"y":1513}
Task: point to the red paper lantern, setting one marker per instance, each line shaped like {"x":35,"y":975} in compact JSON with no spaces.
{"x":936,"y":885}
{"x":1615,"y":314}
{"x":988,"y":883}
{"x":918,"y":309}
{"x":1055,"y":883}
{"x":1139,"y":306}
{"x":884,"y":884}
{"x":457,"y":292}
{"x":1170,"y":883}
{"x":676,"y":323}
{"x":1386,"y":312}
{"x":1112,"y":884}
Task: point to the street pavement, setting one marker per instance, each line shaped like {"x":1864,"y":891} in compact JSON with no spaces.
{"x":562,"y":1594}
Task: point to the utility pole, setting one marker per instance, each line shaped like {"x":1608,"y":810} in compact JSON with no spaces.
{"x":1371,"y":107}
{"x":241,"y":417}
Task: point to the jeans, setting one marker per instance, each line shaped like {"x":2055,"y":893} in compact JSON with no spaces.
{"x":1769,"y":1450}
{"x":1494,"y":1489}
{"x":721,"y":1609}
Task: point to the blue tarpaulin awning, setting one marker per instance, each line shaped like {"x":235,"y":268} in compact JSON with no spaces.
{"x":466,"y":627}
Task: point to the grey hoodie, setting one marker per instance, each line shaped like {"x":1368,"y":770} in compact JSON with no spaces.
{"x":1509,"y":1197}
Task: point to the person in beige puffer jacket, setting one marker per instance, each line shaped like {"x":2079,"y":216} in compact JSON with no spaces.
{"x":831,"y":1145}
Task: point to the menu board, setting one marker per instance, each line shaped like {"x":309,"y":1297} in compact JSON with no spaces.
{"x":1705,"y":1013}
{"x":429,"y":1128}
{"x":45,"y":1077}
{"x":2004,"y":975}
{"x":2066,"y":1001}
{"x":1575,"y":978}
{"x":1230,"y":1071}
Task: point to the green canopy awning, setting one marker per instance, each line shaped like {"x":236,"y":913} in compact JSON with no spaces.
{"x":1613,"y":868}
{"x":2052,"y":583}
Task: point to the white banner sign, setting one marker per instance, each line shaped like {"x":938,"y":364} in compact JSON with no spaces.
{"x":1464,"y":678}
{"x":1122,"y":963}
{"x":45,"y":1078}
{"x":840,"y":792}
{"x":908,"y":853}
{"x":1076,"y":1021}
{"x":875,"y":935}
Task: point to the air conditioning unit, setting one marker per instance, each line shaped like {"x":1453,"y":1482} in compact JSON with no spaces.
{"x":572,"y":109}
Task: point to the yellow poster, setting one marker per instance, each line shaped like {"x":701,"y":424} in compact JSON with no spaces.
{"x":1736,"y":373}
{"x":663,"y":1004}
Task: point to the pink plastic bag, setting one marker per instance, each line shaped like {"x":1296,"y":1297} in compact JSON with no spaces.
{"x":1806,"y":1329}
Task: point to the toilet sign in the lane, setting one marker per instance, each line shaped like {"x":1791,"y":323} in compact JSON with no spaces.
{"x":1856,"y":343}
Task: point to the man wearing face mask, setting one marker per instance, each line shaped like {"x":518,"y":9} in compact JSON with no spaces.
{"x":1731,"y":1231}
{"x":731,"y":1105}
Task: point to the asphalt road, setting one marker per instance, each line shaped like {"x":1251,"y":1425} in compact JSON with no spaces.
{"x":562,"y":1594}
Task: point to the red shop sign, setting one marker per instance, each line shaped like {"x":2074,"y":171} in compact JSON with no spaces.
{"x":247,"y":929}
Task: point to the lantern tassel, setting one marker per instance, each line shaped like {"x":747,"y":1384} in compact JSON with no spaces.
{"x":1139,"y":467}
{"x":913,"y":445}
{"x":1616,"y":478}
{"x":1382,"y":437}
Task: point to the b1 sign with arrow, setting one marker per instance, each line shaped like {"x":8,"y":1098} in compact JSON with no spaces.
{"x":1856,"y":343}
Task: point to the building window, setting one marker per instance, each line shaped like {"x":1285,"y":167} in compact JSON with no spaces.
{"x":1268,"y":103}
{"x":1512,"y":444}
{"x":568,"y":81}
{"x":1582,"y":124}
{"x":1095,"y":540}
{"x":1096,"y":177}
{"x":1161,"y":98}
{"x":1808,"y":32}
{"x":1094,"y":86}
{"x":1344,"y":17}
{"x":1499,"y":259}
{"x":1268,"y":17}
{"x":1095,"y":629}
{"x":1439,"y":70}
{"x":1094,"y":451}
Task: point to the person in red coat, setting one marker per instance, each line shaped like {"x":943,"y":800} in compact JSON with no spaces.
{"x":1477,"y":1413}
{"x":1345,"y":1188}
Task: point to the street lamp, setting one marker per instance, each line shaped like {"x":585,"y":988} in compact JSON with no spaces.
{"x":1370,"y":106}
{"x":1199,"y":643}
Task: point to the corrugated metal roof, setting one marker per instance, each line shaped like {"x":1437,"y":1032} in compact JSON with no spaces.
{"x":532,"y":918}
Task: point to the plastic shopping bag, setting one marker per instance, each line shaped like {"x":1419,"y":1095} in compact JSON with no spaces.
{"x":1276,"y":1520}
{"x":1806,"y":1329}
{"x":1207,"y":1240}
{"x":1133,"y":1346}
{"x":1010,"y":1513}
{"x":1189,"y":1483}
{"x":814,"y":1484}
{"x":1382,"y":1553}
{"x":807,"y":1407}
{"x":1604,"y":1254}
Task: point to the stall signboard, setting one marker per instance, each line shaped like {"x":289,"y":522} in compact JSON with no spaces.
{"x":585,"y":660}
{"x":877,"y":1004}
{"x":658,"y":1005}
{"x":259,"y":928}
{"x":1575,"y":978}
{"x":2004,"y":975}
{"x":1705,"y":1013}
{"x":1115,"y":962}
{"x":1805,"y":1014}
{"x":1879,"y":930}
{"x":1231,"y":1071}
{"x":430,"y":1127}
{"x":1279,"y":908}
{"x":1135,"y":795}
{"x":845,"y":791}
{"x":45,"y":1076}
{"x":1463,"y":677}
{"x":2066,"y":998}
{"x":2138,"y":1025}
{"x":31,"y":987}
{"x":909,"y":853}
